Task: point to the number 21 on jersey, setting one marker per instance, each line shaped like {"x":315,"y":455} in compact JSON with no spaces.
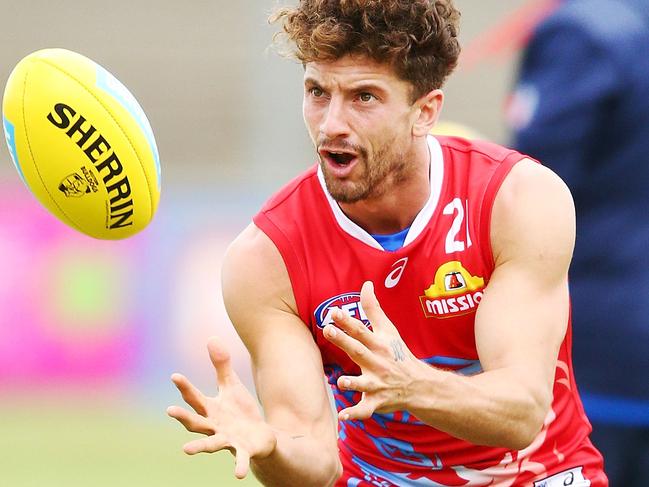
{"x":458,"y":208}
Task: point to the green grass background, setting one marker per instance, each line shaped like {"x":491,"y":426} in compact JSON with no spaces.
{"x":70,"y":440}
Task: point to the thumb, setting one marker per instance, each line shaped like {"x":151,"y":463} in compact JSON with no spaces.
{"x":220,"y":358}
{"x":242,"y":463}
{"x":363,"y":410}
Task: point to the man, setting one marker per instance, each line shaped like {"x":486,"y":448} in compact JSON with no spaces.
{"x":582,"y":107}
{"x":431,"y":389}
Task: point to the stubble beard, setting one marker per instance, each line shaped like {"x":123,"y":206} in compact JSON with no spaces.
{"x":386,"y":170}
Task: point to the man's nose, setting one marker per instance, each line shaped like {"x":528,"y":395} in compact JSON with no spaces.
{"x":335,"y":122}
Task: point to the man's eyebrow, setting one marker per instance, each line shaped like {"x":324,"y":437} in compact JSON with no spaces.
{"x":367,"y":86}
{"x":354,"y":86}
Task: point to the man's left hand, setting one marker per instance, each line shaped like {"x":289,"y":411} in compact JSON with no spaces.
{"x":389,"y":370}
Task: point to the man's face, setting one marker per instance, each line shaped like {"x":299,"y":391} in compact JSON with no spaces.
{"x":360,"y":118}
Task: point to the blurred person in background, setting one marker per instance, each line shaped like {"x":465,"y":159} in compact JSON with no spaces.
{"x":581,"y":106}
{"x":430,"y":388}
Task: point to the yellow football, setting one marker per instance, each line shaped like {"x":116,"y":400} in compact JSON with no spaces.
{"x":81,"y":143}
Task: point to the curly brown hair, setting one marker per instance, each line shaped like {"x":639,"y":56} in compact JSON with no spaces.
{"x":418,"y":37}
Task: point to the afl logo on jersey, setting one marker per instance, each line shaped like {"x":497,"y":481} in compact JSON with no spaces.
{"x":454,"y":292}
{"x":350,"y":303}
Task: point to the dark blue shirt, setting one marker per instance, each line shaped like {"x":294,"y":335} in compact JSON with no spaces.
{"x":584,"y":86}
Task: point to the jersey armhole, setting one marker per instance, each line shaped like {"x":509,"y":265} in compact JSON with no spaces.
{"x":294,"y":266}
{"x":486,"y":208}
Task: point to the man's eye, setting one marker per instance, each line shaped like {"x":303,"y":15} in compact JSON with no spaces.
{"x":317,"y":92}
{"x":366,"y":97}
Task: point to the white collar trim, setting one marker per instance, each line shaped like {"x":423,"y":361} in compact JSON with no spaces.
{"x":422,"y":218}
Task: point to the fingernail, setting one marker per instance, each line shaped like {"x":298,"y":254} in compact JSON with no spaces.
{"x":331,"y":331}
{"x":345,"y":382}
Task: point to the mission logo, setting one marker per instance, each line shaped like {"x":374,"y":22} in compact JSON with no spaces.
{"x":349,"y":303}
{"x":454,"y":292}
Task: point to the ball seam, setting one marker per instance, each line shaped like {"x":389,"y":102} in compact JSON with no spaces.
{"x":71,"y":222}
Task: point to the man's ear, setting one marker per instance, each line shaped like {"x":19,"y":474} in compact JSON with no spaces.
{"x":429,"y":106}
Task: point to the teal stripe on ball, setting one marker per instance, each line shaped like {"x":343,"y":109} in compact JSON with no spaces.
{"x":11,"y":143}
{"x":117,"y":90}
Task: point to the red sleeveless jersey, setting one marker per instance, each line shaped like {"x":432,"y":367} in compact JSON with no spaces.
{"x":430,"y":289}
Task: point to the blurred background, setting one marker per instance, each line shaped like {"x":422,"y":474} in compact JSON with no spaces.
{"x":90,"y":331}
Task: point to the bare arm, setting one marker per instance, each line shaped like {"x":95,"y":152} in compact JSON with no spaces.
{"x":286,"y":364}
{"x":520,"y":324}
{"x":295,"y":443}
{"x":522,"y":318}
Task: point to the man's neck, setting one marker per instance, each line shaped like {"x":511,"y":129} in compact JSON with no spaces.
{"x":399,"y":204}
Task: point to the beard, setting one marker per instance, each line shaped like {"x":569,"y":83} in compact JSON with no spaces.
{"x":373,"y":178}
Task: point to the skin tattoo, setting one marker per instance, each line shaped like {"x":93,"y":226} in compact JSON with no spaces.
{"x":397,"y":349}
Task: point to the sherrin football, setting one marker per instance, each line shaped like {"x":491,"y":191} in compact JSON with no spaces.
{"x":81,"y":143}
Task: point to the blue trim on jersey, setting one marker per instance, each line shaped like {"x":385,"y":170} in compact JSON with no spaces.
{"x":615,"y":410}
{"x":461,"y":366}
{"x":404,"y":453}
{"x":379,"y":477}
{"x":393,"y":241}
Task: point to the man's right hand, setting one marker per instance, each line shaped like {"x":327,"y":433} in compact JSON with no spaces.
{"x":231,"y":420}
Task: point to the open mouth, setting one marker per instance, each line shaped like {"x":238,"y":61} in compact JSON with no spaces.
{"x":338,"y":158}
{"x":341,"y":158}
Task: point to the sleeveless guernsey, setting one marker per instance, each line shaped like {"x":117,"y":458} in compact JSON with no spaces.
{"x":430,"y":289}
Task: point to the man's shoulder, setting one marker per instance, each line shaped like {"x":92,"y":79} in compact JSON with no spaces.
{"x":533,"y":210}
{"x":292,"y":190}
{"x":463,"y":148}
{"x":300,"y":207}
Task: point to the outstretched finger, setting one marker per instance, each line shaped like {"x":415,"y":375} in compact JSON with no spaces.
{"x":191,"y":421}
{"x":354,"y":328}
{"x":358,"y":383}
{"x":356,"y":350}
{"x":210,"y":444}
{"x":242,"y":463}
{"x":372,"y":308}
{"x":220,"y":358}
{"x":190,"y":393}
